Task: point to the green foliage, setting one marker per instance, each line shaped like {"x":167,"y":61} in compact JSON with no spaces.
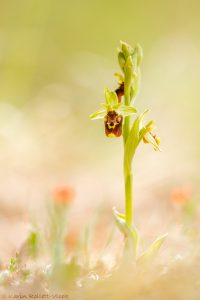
{"x":130,"y":233}
{"x":190,"y":208}
{"x":14,"y":264}
{"x":33,"y":244}
{"x":132,"y":240}
{"x":25,"y":273}
{"x":133,"y":140}
{"x":151,"y":252}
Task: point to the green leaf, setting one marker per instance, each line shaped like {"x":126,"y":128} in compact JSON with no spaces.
{"x":14,"y":264}
{"x":120,"y":222}
{"x":33,"y":243}
{"x":127,"y":110}
{"x":123,"y":227}
{"x":118,"y":214}
{"x":130,"y":233}
{"x":99,"y":114}
{"x":190,"y":208}
{"x":133,"y":141}
{"x":150,"y":253}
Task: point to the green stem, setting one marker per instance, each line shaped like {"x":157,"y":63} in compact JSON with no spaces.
{"x":128,"y":197}
{"x":127,"y":175}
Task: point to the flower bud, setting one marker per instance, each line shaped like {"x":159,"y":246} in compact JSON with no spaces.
{"x":126,"y":49}
{"x":152,"y":139}
{"x":128,"y":71}
{"x":120,"y":92}
{"x":139,"y":52}
{"x":121,"y":60}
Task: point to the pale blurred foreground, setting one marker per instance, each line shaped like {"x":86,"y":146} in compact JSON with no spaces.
{"x":55,"y":61}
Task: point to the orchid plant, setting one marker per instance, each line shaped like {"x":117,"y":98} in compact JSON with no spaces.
{"x":117,"y":111}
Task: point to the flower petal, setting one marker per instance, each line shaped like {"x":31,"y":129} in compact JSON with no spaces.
{"x":99,"y":114}
{"x":151,"y":140}
{"x":111,"y":97}
{"x":126,"y":110}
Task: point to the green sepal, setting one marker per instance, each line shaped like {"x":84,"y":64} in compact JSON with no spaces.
{"x":152,"y":141}
{"x":144,"y":129}
{"x":99,"y":114}
{"x":116,"y":106}
{"x":144,"y":133}
{"x":105,"y":105}
{"x":107,"y":96}
{"x":120,"y":78}
{"x":150,"y":253}
{"x":109,"y":107}
{"x":127,"y":110}
{"x":111,"y":97}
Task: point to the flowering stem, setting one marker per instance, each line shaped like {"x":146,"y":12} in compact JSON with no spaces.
{"x":127,"y":170}
{"x":116,"y":113}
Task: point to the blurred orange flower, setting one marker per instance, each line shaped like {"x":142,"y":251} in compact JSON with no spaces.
{"x":181,"y":195}
{"x":71,"y":239}
{"x":64,"y":195}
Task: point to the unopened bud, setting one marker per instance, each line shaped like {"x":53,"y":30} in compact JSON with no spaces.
{"x":126,"y":49}
{"x":121,"y":60}
{"x":139,"y":52}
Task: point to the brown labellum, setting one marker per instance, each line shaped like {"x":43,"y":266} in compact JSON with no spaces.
{"x":113,"y":124}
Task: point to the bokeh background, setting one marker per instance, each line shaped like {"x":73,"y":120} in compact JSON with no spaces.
{"x":56,"y":57}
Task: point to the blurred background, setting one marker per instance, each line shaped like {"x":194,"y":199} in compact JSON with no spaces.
{"x":56,"y":58}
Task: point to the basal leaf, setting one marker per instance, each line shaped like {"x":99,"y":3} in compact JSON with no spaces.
{"x":130,"y":233}
{"x":150,"y":253}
